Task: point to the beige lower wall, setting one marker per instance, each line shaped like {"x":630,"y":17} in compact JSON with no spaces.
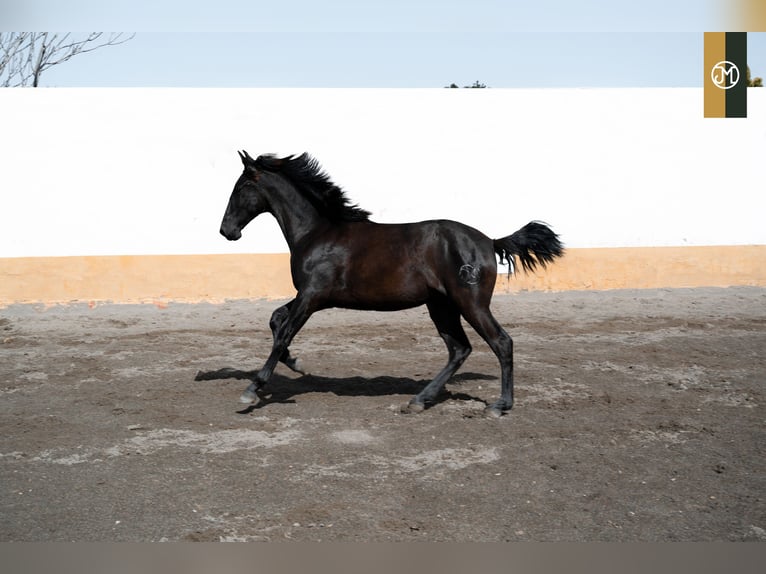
{"x":648,"y":268}
{"x":160,"y":279}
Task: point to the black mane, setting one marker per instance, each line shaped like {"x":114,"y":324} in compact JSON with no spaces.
{"x":306,"y":174}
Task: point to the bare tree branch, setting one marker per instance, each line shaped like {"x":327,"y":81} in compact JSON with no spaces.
{"x":24,"y":56}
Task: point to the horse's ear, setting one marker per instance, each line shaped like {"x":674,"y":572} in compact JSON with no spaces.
{"x":247,"y":161}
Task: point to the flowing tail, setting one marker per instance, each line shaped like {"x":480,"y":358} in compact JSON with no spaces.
{"x":534,"y":244}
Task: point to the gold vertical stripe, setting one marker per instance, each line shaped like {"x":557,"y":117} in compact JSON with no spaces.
{"x":715,"y":98}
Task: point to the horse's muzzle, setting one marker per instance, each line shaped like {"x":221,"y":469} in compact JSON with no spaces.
{"x":231,"y":234}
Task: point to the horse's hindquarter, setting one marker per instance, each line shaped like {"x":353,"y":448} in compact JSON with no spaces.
{"x":395,"y":266}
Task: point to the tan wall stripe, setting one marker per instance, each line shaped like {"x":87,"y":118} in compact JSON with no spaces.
{"x":649,"y":268}
{"x":192,"y":278}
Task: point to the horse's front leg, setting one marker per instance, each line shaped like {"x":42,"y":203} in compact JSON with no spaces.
{"x":277,"y":320}
{"x":298,"y":313}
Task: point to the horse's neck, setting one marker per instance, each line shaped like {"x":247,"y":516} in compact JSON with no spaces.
{"x":294,"y":213}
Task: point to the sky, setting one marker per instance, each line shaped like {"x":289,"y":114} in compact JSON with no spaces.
{"x":385,"y":43}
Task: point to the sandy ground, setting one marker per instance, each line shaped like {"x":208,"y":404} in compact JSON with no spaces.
{"x":640,"y":416}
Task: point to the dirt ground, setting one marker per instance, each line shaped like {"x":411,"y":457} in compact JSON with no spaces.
{"x":640,"y":416}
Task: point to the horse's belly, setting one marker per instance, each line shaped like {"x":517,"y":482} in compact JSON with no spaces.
{"x":388,"y":288}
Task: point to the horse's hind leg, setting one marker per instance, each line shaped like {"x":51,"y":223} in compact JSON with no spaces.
{"x":500,"y":342}
{"x":446,"y":317}
{"x":278,"y":317}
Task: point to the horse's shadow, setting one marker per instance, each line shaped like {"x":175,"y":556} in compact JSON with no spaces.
{"x":281,"y":389}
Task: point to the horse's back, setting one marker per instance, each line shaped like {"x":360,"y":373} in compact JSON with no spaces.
{"x":426,"y":245}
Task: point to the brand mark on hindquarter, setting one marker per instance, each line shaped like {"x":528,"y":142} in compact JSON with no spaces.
{"x":469,"y":274}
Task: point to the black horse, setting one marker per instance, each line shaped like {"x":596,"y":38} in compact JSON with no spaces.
{"x":339,"y":258}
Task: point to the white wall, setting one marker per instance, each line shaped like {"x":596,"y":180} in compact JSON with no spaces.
{"x":149,"y":171}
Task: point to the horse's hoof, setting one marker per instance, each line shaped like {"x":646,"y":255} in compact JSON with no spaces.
{"x":493,"y":412}
{"x":295,"y":365}
{"x":413,"y":408}
{"x":299,"y":367}
{"x":249,"y":397}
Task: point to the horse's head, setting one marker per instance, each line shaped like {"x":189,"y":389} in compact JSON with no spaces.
{"x":245,"y":203}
